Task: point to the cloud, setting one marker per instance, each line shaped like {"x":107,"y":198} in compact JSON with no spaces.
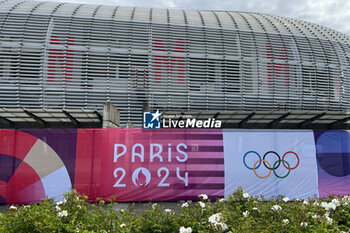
{"x":330,"y":13}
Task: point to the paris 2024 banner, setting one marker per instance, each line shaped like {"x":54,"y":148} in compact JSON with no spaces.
{"x":171,"y":164}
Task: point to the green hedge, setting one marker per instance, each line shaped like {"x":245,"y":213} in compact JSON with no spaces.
{"x":240,"y":213}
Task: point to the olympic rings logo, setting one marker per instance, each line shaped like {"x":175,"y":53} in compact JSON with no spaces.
{"x":268,"y":165}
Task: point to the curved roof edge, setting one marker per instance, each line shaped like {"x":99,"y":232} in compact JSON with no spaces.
{"x":221,"y":19}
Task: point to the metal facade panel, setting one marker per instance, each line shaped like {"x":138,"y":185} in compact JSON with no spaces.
{"x":194,"y":18}
{"x":160,"y":15}
{"x":105,"y":12}
{"x":142,"y":14}
{"x":210,"y":19}
{"x":55,"y":55}
{"x":67,"y":9}
{"x":47,"y":7}
{"x":225,"y":20}
{"x":176,"y":17}
{"x":86,"y":10}
{"x":124,"y":12}
{"x":10,"y":5}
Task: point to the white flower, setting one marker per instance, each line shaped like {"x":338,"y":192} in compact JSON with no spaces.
{"x":13,"y":207}
{"x":219,"y":227}
{"x":286,"y":199}
{"x":185,"y":230}
{"x":122,"y":225}
{"x":246,"y":195}
{"x":336,"y":202}
{"x":329,"y":220}
{"x":346,"y":198}
{"x":328,"y":206}
{"x":201,"y":204}
{"x":59,"y":203}
{"x":185,"y":205}
{"x":332,"y":206}
{"x":215,"y":218}
{"x":217,"y":223}
{"x":315,"y":216}
{"x":276,"y":207}
{"x":169,"y":211}
{"x":326,"y":214}
{"x":222,"y":200}
{"x":58,"y":208}
{"x":245,"y":213}
{"x":346,"y":202}
{"x":285,"y":221}
{"x":305,"y":202}
{"x":297,"y":199}
{"x":154,"y":205}
{"x":254,"y":208}
{"x":203,"y":196}
{"x":224,"y":227}
{"x":303,"y":224}
{"x":63,"y":213}
{"x":79,"y":206}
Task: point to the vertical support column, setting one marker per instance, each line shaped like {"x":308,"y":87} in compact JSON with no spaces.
{"x":145,"y":106}
{"x":111,"y":116}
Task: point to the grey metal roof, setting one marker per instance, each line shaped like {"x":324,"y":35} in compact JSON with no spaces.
{"x":218,"y":19}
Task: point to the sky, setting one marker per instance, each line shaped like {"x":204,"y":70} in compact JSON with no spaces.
{"x":331,"y":13}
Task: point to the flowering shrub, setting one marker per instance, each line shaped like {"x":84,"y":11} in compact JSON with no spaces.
{"x":241,"y":212}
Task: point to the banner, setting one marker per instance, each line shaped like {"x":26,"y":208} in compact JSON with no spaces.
{"x":35,"y":165}
{"x":333,"y":156}
{"x":171,"y":164}
{"x":144,"y":165}
{"x":270,"y":163}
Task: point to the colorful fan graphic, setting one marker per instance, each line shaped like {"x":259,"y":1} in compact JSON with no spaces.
{"x":29,"y":169}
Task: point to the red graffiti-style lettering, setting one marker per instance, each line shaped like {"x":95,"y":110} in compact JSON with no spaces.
{"x":56,"y":57}
{"x":169,"y":64}
{"x":277,"y":69}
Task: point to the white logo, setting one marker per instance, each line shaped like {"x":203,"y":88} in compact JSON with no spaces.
{"x":135,"y":177}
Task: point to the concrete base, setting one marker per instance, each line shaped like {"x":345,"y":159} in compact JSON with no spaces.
{"x":111,"y":116}
{"x":129,"y":125}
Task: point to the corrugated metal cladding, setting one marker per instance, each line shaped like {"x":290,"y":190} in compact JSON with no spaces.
{"x":64,"y":55}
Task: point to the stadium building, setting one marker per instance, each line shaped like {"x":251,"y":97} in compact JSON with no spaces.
{"x":60,"y":62}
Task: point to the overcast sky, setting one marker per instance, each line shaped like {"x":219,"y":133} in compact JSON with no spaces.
{"x":332,"y":13}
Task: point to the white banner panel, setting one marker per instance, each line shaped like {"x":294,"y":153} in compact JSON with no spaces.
{"x":271,"y":162}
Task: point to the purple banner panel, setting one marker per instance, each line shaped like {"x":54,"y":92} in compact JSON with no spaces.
{"x":333,"y":157}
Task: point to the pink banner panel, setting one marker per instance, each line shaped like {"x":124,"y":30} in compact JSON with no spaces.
{"x":145,"y":165}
